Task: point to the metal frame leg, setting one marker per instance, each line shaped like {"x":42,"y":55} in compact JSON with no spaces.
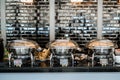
{"x":93,"y":59}
{"x":32,"y":60}
{"x":9,"y":58}
{"x":51,"y":60}
{"x":72,"y":60}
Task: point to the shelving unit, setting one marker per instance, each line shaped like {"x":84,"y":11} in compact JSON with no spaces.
{"x":29,"y":21}
{"x":78,"y":20}
{"x":111,"y":18}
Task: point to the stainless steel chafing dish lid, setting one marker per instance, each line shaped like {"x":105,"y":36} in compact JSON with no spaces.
{"x":100,"y":43}
{"x":23,"y":44}
{"x":63,"y":44}
{"x":21,"y":49}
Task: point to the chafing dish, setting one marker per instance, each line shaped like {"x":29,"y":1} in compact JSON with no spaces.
{"x":103,"y":50}
{"x":21,"y":50}
{"x":62,"y":51}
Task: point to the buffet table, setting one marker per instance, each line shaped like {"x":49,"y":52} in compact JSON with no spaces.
{"x":26,"y":56}
{"x":60,"y":69}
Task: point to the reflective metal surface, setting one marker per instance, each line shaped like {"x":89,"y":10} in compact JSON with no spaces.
{"x":21,"y":52}
{"x":63,"y":46}
{"x":96,"y":43}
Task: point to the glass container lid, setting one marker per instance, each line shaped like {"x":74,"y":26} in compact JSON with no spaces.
{"x":23,"y":43}
{"x":100,"y":43}
{"x":63,"y":43}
